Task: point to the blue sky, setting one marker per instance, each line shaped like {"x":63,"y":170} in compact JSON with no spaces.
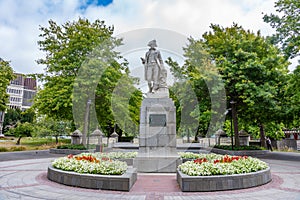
{"x":20,"y":20}
{"x":87,"y":3}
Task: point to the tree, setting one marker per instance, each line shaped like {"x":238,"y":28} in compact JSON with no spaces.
{"x":195,"y":92}
{"x":22,"y":130}
{"x":287,"y":26}
{"x":254,"y":73}
{"x":66,"y":48}
{"x":6,"y":75}
{"x":292,"y":100}
{"x":82,"y":70}
{"x":50,"y":127}
{"x":13,"y":116}
{"x":288,"y":36}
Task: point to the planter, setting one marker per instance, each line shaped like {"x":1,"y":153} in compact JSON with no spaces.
{"x":129,"y":161}
{"x":94,"y":181}
{"x":240,"y":153}
{"x":222,"y":182}
{"x":67,"y":151}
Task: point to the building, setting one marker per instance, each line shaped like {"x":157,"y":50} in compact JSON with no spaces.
{"x":21,"y":92}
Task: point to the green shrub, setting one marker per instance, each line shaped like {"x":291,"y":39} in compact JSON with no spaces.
{"x":72,"y":146}
{"x":20,"y":148}
{"x":240,"y":148}
{"x":3,"y":149}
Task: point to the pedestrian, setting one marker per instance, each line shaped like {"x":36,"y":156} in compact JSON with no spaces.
{"x":269,"y":144}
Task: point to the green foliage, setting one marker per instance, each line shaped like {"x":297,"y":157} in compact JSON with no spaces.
{"x":66,"y":48}
{"x":72,"y":146}
{"x":253,"y":70}
{"x":196,"y":87}
{"x":21,"y":130}
{"x":292,"y":95}
{"x":240,"y":148}
{"x":13,"y":116}
{"x":81,"y":67}
{"x":3,"y":149}
{"x":6,"y":75}
{"x":19,"y":148}
{"x":38,"y":141}
{"x":45,"y":126}
{"x":286,"y":25}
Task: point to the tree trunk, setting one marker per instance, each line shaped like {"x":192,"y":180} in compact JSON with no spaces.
{"x":235,"y":125}
{"x":262,"y":135}
{"x":56,"y":139}
{"x":19,"y":140}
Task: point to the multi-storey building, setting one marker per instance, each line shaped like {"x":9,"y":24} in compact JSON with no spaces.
{"x":21,"y":92}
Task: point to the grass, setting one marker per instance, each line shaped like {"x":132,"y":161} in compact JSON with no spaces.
{"x":30,"y":143}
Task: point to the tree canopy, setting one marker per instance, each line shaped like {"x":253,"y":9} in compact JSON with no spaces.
{"x":6,"y":75}
{"x":253,"y":70}
{"x":287,"y":25}
{"x":197,"y":92}
{"x":82,"y":71}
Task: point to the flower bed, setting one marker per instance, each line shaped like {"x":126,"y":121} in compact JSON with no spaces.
{"x":221,"y":172}
{"x":214,"y":164}
{"x":87,"y":163}
{"x":89,"y":171}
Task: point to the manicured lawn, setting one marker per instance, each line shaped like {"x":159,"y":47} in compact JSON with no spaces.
{"x":30,"y":143}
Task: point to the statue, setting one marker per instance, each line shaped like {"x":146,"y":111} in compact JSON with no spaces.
{"x":155,"y":73}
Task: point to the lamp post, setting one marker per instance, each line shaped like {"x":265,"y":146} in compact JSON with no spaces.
{"x":231,"y":133}
{"x":2,"y":113}
{"x":86,"y":122}
{"x":229,"y":110}
{"x":234,"y":118}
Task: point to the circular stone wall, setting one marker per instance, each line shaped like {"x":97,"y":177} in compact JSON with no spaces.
{"x":67,"y":151}
{"x":222,"y":182}
{"x":122,"y":182}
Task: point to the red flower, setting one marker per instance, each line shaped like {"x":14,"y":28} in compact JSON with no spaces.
{"x":89,"y":158}
{"x":70,"y":156}
{"x":105,"y":158}
{"x":216,"y":161}
{"x":200,"y":160}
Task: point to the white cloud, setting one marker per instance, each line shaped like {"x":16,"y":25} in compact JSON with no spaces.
{"x":20,"y":20}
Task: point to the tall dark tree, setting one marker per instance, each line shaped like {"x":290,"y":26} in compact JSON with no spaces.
{"x":287,"y":26}
{"x":6,"y":75}
{"x":253,"y":70}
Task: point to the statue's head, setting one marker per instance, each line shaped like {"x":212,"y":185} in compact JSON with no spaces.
{"x":152,"y":43}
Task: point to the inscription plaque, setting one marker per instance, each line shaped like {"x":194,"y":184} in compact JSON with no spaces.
{"x":157,"y":120}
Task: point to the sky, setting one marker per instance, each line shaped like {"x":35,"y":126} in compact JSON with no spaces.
{"x":20,"y":21}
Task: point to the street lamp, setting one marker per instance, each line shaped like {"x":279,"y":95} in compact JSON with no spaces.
{"x":229,"y":110}
{"x":233,"y":114}
{"x":86,"y":122}
{"x":2,"y":113}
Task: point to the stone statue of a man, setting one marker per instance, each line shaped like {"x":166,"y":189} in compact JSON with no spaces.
{"x":155,"y":73}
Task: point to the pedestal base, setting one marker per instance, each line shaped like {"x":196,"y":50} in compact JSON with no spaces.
{"x":157,"y":164}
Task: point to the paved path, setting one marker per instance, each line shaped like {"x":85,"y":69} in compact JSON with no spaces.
{"x":26,"y":179}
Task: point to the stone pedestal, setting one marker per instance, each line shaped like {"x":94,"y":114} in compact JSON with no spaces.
{"x":157,"y":139}
{"x":244,"y":138}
